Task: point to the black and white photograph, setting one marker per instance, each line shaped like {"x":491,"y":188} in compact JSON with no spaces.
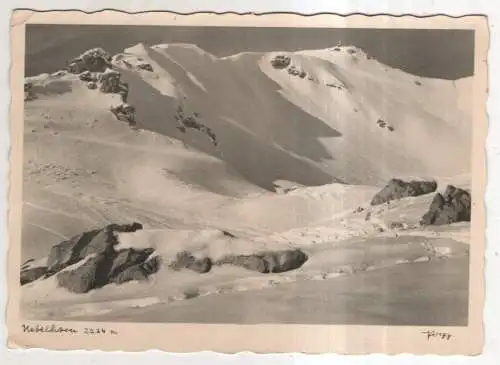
{"x":247,"y":175}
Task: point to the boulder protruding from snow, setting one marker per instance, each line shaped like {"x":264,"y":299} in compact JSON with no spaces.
{"x":267,"y":262}
{"x":110,"y":81}
{"x":93,"y":60}
{"x":281,"y":61}
{"x":89,"y":76}
{"x":453,"y":206}
{"x":97,"y":262}
{"x":383,"y":124}
{"x":145,"y":66}
{"x":294,"y":71}
{"x":31,"y":274}
{"x":124,"y":112}
{"x":92,"y":274}
{"x":398,"y":189}
{"x":191,"y":122}
{"x":88,"y":243}
{"x":185,"y":260}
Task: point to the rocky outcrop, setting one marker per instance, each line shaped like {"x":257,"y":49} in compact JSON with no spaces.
{"x":95,"y":242}
{"x":98,"y":74}
{"x":105,"y":268}
{"x":125,"y":113}
{"x":29,"y":275}
{"x":92,"y":274}
{"x":383,"y":124}
{"x":294,"y":71}
{"x":452,"y":206}
{"x":89,"y":76}
{"x":267,"y":262}
{"x":91,"y":260}
{"x":94,"y":67}
{"x":145,"y":66}
{"x":76,"y":248}
{"x":185,"y":260}
{"x":138,"y":64}
{"x":93,"y":60}
{"x":141,"y":271}
{"x":96,"y":261}
{"x":281,"y":61}
{"x":398,"y":189}
{"x":128,"y":258}
{"x":191,"y":122}
{"x":110,"y":81}
{"x":249,"y":262}
{"x":107,"y":79}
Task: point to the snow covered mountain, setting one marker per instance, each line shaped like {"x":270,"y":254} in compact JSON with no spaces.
{"x":192,"y":146}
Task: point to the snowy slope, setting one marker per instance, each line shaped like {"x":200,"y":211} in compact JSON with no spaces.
{"x":313,"y":125}
{"x":307,"y":129}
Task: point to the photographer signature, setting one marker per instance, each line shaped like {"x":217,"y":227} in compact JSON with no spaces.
{"x":436,"y":334}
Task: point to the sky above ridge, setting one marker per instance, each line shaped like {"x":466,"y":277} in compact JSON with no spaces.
{"x":441,"y":53}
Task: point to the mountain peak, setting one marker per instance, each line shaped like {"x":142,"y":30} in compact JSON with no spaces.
{"x":138,"y":49}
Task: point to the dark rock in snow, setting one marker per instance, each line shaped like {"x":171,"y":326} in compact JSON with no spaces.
{"x":97,"y":261}
{"x":125,"y":113}
{"x":228,"y":234}
{"x":185,"y":260}
{"x":133,"y":273}
{"x":123,"y":228}
{"x":140,"y":271}
{"x":249,"y":262}
{"x":182,"y":260}
{"x":191,"y":122}
{"x":91,"y":85}
{"x":80,"y":246}
{"x":123,"y":91}
{"x":68,"y":252}
{"x":127,"y":258}
{"x":453,"y":206}
{"x":86,"y":76}
{"x":110,"y":81}
{"x":281,"y":61}
{"x":152,"y":265}
{"x":201,"y":265}
{"x":93,"y":60}
{"x":398,"y":189}
{"x":92,"y":274}
{"x":145,"y":67}
{"x":32,"y":274}
{"x":282,"y":261}
{"x":268,"y":262}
